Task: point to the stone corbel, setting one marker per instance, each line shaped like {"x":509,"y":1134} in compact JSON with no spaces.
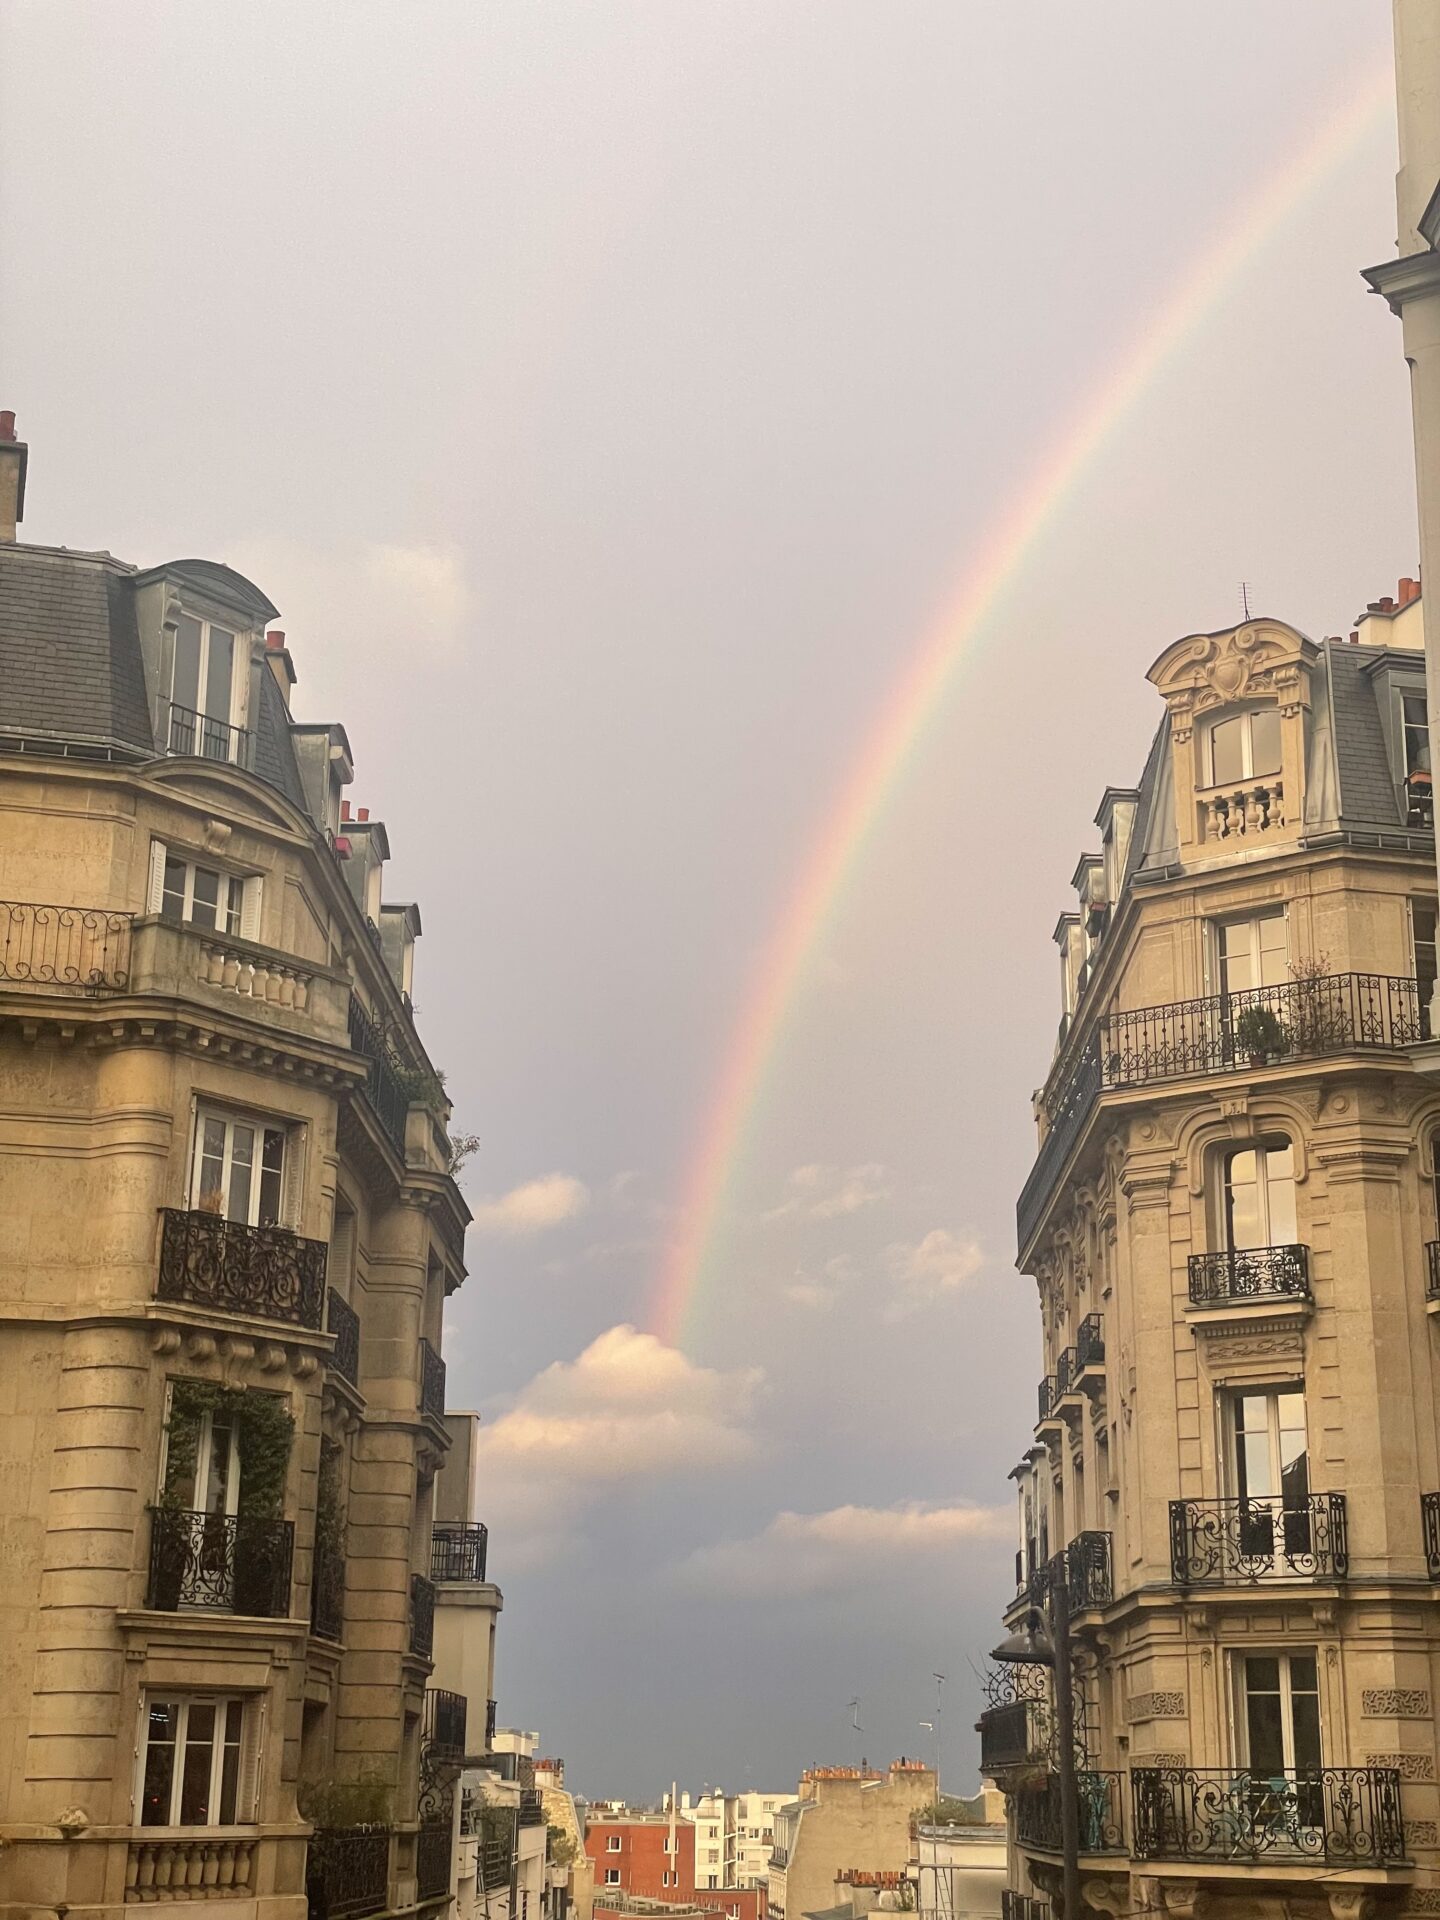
{"x":1186,"y":1899}
{"x":1350,"y":1903}
{"x":1106,"y":1893}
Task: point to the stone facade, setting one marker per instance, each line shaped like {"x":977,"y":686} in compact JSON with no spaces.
{"x":229,"y":1227}
{"x":844,"y":1820}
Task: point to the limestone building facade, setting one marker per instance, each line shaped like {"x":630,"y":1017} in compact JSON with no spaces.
{"x":228,"y":1228}
{"x":1232,"y":1223}
{"x":844,"y":1820}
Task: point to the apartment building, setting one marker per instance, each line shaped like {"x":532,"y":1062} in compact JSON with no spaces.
{"x":1233,"y":1482}
{"x":749,"y":1836}
{"x":844,"y":1819}
{"x":649,"y":1854}
{"x":229,"y":1228}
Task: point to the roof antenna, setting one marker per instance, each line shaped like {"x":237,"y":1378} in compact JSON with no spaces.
{"x":1245,"y":597}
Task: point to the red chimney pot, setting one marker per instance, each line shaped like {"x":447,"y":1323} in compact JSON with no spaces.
{"x":275,"y":640}
{"x":1354,"y":637}
{"x":7,"y":426}
{"x":344,"y":809}
{"x":362,"y":813}
{"x":1409,"y":590}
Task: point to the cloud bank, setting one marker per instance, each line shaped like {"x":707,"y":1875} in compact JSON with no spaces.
{"x":534,"y":1207}
{"x":810,"y":1553}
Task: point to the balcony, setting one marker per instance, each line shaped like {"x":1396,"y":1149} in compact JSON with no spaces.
{"x":200,"y":736}
{"x":1220,"y":1542}
{"x":422,"y":1616}
{"x":496,"y":1860}
{"x":532,"y":1808}
{"x":443,"y":1730}
{"x":1048,"y":1399}
{"x":225,"y":1563}
{"x":1067,"y":1374}
{"x":1430,"y":1532}
{"x":266,"y":1272}
{"x":458,"y":1552}
{"x":78,"y":949}
{"x":1339,"y":1816}
{"x":1088,"y":1571}
{"x":432,"y":1383}
{"x":384,"y":1090}
{"x":489,"y":1726}
{"x":347,"y":1872}
{"x":201,"y":1867}
{"x":434,"y":1852}
{"x":1022,"y":1906}
{"x":327,"y":1594}
{"x":342,"y":1320}
{"x":1037,"y":1814}
{"x":1243,"y":1274}
{"x":1013,"y":1735}
{"x":1334,"y":1013}
{"x":1090,"y":1346}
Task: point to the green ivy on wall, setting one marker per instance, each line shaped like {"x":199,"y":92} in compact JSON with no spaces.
{"x":265,"y":1433}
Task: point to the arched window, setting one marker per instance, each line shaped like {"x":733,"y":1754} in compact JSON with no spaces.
{"x":1244,"y":746}
{"x":1257,"y":1196}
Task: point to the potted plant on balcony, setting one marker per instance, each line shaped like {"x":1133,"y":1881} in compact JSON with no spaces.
{"x":1259,"y":1034}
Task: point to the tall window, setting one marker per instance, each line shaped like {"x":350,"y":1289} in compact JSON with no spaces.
{"x":1282,"y":1713}
{"x":195,"y":1766}
{"x":1246,"y":746}
{"x":1258,"y":1198}
{"x":202,"y":690}
{"x":1423,"y":956}
{"x":1270,"y":1470}
{"x":1416,"y":725}
{"x":208,"y":1481}
{"x":239,"y":1169}
{"x":1253,"y":952}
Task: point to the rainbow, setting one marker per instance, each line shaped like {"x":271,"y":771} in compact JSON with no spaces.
{"x":920,"y":697}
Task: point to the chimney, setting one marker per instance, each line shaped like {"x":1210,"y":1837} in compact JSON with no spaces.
{"x":14,"y":455}
{"x":277,"y":658}
{"x":1409,"y":590}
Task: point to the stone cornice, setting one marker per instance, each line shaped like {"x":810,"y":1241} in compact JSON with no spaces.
{"x":1412,"y":276}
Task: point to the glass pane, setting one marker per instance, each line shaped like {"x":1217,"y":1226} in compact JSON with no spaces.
{"x":196,"y":1766}
{"x":234,"y":903}
{"x":1274,"y":950}
{"x":1280,"y":1196}
{"x":1242,"y":1201}
{"x":222,"y":1440}
{"x":161,"y":1720}
{"x":241,"y":1161}
{"x":1226,"y":749}
{"x":206,"y":897}
{"x":1305,"y":1731}
{"x":1237,"y":956}
{"x":172,"y":900}
{"x":230,"y":1764}
{"x":185,"y":683}
{"x":210,"y":1198}
{"x":272,"y":1165}
{"x":220,"y":674}
{"x":1264,"y":1725}
{"x":1265,"y":741}
{"x":1417,"y":734}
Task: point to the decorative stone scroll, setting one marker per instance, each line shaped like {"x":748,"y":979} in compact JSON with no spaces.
{"x":1395,"y":1703}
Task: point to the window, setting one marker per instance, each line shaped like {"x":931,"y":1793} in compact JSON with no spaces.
{"x":210,"y":1481}
{"x":186,"y":891}
{"x":1423,"y":957}
{"x":197,"y":1762}
{"x":1258,"y":1198}
{"x":713,"y":1880}
{"x":612,"y":1844}
{"x":1270,"y":1470}
{"x":711,"y":1854}
{"x":202,"y":690}
{"x":612,"y":1876}
{"x":1246,"y":746}
{"x":1415,"y":722}
{"x":239,"y":1169}
{"x":1281,"y":1722}
{"x":1252,"y":953}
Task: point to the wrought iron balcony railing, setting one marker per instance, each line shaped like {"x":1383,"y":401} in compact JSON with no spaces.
{"x":422,"y":1616}
{"x":1088,"y":1571}
{"x":1432,"y":1269}
{"x":83,"y":949}
{"x":1249,"y":1273}
{"x":490,"y":1726}
{"x":347,"y":1872}
{"x":1022,"y":1906}
{"x":1013,"y":1735}
{"x":1430,"y":1531}
{"x":443,"y":1728}
{"x":327,"y":1594}
{"x":342,"y":1320}
{"x":1333,"y":1013}
{"x":458,"y":1552}
{"x":1102,"y":1829}
{"x":1346,"y":1816}
{"x":1297,"y":1537}
{"x":267,"y":1272}
{"x":432,"y":1382}
{"x":383,"y":1088}
{"x":532,"y":1808}
{"x":1090,"y":1343}
{"x":1047,"y":1395}
{"x":1067,"y":1372}
{"x":231,"y":1563}
{"x":434,"y":1851}
{"x":497,"y":1858}
{"x":207,"y":738}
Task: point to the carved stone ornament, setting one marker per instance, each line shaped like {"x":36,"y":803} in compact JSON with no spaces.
{"x":1409,"y":1766}
{"x":1395,"y":1703}
{"x":1162,"y":1759}
{"x":1205,"y":670}
{"x":1106,"y":1893}
{"x":1421,"y":1833}
{"x":1156,"y":1706}
{"x":1184,"y":1898}
{"x":1350,"y":1903}
{"x":1420,"y":1899}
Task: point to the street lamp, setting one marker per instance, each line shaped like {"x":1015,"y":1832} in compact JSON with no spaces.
{"x":1038,"y":1644}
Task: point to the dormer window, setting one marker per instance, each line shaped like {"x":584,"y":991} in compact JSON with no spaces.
{"x":1245,"y":746}
{"x":204,"y":705}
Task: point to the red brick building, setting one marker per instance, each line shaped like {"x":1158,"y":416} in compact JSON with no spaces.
{"x":631,"y":1852}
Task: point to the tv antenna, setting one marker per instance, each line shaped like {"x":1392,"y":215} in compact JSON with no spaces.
{"x":855,"y":1723}
{"x":1245,"y":598}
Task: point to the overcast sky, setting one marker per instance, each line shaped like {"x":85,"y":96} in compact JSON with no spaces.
{"x":609,"y":395}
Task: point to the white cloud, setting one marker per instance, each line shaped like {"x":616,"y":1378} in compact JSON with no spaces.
{"x":534,"y":1207}
{"x":844,"y":1548}
{"x":831,"y":1193}
{"x":820,"y":1290}
{"x":925,"y":1270}
{"x":628,"y":1409}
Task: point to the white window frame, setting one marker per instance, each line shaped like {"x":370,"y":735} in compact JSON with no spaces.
{"x":262,"y":1123}
{"x":612,"y":1843}
{"x":248,"y":1772}
{"x":239,"y":679}
{"x":1246,"y":715}
{"x":251,"y":884}
{"x":1241,"y":1697}
{"x":612,"y":1876}
{"x":1215,"y":947}
{"x":204,"y":1459}
{"x":1264,"y":1185}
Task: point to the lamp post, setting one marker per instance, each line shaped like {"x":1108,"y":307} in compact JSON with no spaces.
{"x":1032,"y":1645}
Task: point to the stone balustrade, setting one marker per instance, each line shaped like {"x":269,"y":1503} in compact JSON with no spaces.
{"x":1243,"y":812}
{"x":196,"y":1868}
{"x":239,"y":969}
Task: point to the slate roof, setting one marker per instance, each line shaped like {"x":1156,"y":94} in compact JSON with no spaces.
{"x":70,"y":663}
{"x":1362,"y":766}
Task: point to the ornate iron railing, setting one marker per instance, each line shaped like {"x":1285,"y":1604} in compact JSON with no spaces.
{"x":458,"y":1552}
{"x":206,"y":738}
{"x":1102,"y":1829}
{"x":87,"y":948}
{"x":1090,"y":1343}
{"x":489,"y":1726}
{"x":1432,"y":1269}
{"x":226,"y":1562}
{"x":327,"y":1594}
{"x":1249,"y":1273}
{"x":1342,"y":1815}
{"x":1014,"y":1735}
{"x":422,"y":1616}
{"x":432,"y":1382}
{"x":1088,"y":1571}
{"x":268,"y":1272}
{"x":1430,"y":1530}
{"x":347,"y":1872}
{"x":1047,"y":1394}
{"x":383,"y":1088}
{"x":342,"y":1320}
{"x":443,"y":1728}
{"x":1022,"y":1906}
{"x":496,"y":1860}
{"x":1067,"y":1372}
{"x":434,"y":1850}
{"x":1333,"y":1013}
{"x":1302,"y":1536}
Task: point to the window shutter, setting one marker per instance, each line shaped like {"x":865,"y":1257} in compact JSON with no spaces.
{"x":294,"y":1177}
{"x":247,"y":1796}
{"x":155,"y":888}
{"x":250,"y":909}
